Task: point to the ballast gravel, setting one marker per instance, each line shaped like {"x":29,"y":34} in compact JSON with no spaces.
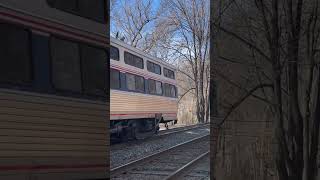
{"x":126,"y":152}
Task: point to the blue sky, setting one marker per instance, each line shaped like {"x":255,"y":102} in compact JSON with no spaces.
{"x":155,"y":5}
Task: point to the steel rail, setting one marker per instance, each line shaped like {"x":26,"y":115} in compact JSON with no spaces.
{"x":180,"y":129}
{"x":178,"y":173}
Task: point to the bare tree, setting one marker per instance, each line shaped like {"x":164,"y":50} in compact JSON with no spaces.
{"x":139,"y":23}
{"x":188,"y":21}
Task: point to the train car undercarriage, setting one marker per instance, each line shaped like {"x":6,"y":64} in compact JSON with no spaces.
{"x":129,"y":129}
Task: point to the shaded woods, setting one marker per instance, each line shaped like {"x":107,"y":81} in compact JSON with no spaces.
{"x":265,"y":60}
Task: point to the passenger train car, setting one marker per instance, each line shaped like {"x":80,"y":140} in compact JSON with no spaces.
{"x":53,"y":95}
{"x":143,"y":92}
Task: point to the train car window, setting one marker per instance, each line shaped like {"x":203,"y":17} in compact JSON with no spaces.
{"x":15,"y":55}
{"x":157,"y":69}
{"x":168,"y":73}
{"x":159,"y":88}
{"x":133,"y":60}
{"x":166,"y":89}
{"x":114,"y":53}
{"x":169,"y":90}
{"x":65,"y":66}
{"x":155,"y":87}
{"x":114,"y":79}
{"x":91,"y":9}
{"x":94,"y":61}
{"x":69,"y":5}
{"x":152,"y":67}
{"x":131,"y":84}
{"x":135,"y":83}
{"x":152,"y":86}
{"x":173,"y":91}
{"x":139,"y":84}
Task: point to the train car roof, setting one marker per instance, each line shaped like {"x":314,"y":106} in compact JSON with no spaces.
{"x":141,"y":53}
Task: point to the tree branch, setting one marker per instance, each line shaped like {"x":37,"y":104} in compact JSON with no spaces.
{"x":185,"y":93}
{"x":246,"y":43}
{"x":240,"y":101}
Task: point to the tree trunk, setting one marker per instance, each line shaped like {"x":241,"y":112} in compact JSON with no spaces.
{"x":313,"y":167}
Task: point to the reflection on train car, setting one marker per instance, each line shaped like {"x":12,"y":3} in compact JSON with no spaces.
{"x":53,"y":100}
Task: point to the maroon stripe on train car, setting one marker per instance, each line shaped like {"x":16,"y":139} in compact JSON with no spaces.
{"x":52,"y":28}
{"x":52,"y":167}
{"x":136,"y":114}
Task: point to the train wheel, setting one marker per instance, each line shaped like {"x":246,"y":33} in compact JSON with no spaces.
{"x":139,"y":131}
{"x":139,"y":135}
{"x":124,"y":136}
{"x":133,"y":129}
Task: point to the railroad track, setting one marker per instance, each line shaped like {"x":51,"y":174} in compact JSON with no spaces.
{"x":199,"y":168}
{"x":181,"y":129}
{"x":167,"y":164}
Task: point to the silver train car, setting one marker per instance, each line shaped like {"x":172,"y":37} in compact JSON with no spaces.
{"x":143,"y":92}
{"x":53,"y":100}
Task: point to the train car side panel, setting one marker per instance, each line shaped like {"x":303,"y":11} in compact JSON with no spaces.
{"x":128,"y":105}
{"x":40,"y":134}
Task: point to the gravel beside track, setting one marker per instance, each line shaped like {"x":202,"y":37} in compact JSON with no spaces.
{"x":126,"y":152}
{"x":165,"y":163}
